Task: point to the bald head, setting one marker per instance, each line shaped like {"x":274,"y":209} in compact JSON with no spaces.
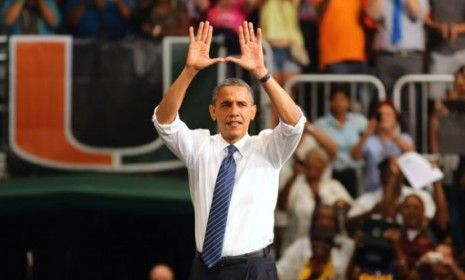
{"x":161,"y":272}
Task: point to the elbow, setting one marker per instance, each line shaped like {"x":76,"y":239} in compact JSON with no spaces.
{"x":292,"y":119}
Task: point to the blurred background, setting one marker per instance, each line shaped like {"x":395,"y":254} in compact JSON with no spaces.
{"x":88,"y":191}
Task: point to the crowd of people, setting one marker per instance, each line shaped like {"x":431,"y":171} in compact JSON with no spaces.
{"x":388,"y":38}
{"x":346,"y":210}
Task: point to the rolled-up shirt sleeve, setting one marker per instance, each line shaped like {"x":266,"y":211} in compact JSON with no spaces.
{"x":177,"y":137}
{"x":285,"y":138}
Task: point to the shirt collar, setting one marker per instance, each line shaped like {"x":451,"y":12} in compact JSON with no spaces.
{"x":334,"y":122}
{"x":240,"y":145}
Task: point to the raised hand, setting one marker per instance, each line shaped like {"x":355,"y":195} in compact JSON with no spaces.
{"x":198,"y":56}
{"x":251,"y":57}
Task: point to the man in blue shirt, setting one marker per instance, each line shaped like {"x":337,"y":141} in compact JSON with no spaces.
{"x":98,"y":18}
{"x":344,"y":128}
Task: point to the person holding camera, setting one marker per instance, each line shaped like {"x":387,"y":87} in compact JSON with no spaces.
{"x":29,"y":16}
{"x":381,"y":139}
{"x":439,"y":264}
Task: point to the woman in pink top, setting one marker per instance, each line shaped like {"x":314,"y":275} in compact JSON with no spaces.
{"x":226,"y":16}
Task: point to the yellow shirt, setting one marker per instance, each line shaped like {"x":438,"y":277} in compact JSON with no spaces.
{"x":328,"y":271}
{"x":278,"y":20}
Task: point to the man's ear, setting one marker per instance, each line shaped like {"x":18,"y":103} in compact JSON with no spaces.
{"x":212,"y":111}
{"x":254,"y":112}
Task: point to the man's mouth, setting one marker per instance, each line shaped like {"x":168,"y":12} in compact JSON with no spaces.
{"x":233,"y":123}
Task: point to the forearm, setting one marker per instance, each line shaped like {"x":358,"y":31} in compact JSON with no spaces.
{"x":460,"y":27}
{"x":282,"y":103}
{"x":413,"y":8}
{"x":430,"y":23}
{"x":404,"y":145}
{"x":356,"y":151}
{"x":323,"y":140}
{"x":48,"y":14}
{"x":442,"y":212}
{"x":458,"y":273}
{"x":13,"y":12}
{"x":373,"y":9}
{"x":172,"y":100}
{"x":389,"y":198}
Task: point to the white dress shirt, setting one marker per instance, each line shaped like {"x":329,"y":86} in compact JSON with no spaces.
{"x":295,"y":257}
{"x":301,"y":205}
{"x":259,"y":158}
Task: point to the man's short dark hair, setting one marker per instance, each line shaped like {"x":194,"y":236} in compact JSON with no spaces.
{"x":231,"y":82}
{"x":339,"y":88}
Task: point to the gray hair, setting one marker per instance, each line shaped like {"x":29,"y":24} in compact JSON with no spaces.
{"x":231,"y":82}
{"x":321,"y":153}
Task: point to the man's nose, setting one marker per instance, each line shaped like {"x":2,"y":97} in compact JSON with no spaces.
{"x":234,"y":110}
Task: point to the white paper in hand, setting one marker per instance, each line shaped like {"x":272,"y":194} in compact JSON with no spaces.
{"x":418,"y":170}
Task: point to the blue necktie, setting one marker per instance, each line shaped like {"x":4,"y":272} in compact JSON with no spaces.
{"x":216,"y":225}
{"x":396,"y":35}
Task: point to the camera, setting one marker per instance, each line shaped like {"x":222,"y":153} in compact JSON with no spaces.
{"x":375,"y":251}
{"x":435,"y":257}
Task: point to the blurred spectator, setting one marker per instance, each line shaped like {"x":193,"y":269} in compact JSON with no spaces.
{"x":196,"y":10}
{"x":341,"y":37}
{"x":382,"y":138}
{"x":226,"y":16}
{"x":319,"y":265}
{"x":453,"y":104}
{"x":301,"y":194}
{"x":439,"y":264}
{"x":29,"y":16}
{"x":344,"y":128}
{"x":447,"y":40}
{"x":384,"y":201}
{"x":280,"y":27}
{"x":99,"y":19}
{"x":159,"y":18}
{"x":308,"y":256}
{"x":412,"y":240}
{"x":453,"y":164}
{"x":400,"y":38}
{"x":312,"y":138}
{"x":308,"y":20}
{"x":161,"y":272}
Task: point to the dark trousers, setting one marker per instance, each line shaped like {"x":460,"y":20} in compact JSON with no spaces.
{"x":242,"y":268}
{"x":348,"y":178}
{"x":390,"y":67}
